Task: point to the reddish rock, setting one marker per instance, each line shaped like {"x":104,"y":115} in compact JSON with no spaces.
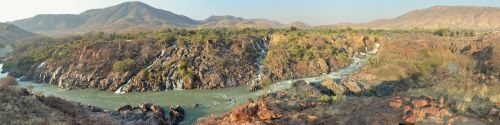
{"x":395,"y":103}
{"x":406,"y":109}
{"x":312,"y":117}
{"x":419,"y":103}
{"x":410,"y":119}
{"x":268,"y":114}
{"x":240,"y":113}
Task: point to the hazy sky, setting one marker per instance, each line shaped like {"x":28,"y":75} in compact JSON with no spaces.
{"x":313,"y":12}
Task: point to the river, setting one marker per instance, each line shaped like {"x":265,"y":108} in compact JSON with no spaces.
{"x":215,"y":101}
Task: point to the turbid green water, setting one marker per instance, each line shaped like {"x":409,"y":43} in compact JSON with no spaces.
{"x":210,"y":101}
{"x":215,"y":101}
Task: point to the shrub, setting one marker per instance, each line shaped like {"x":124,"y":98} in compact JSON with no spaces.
{"x":266,"y":81}
{"x":325,"y":98}
{"x":337,"y":98}
{"x":124,"y":65}
{"x":8,"y":81}
{"x":373,"y":61}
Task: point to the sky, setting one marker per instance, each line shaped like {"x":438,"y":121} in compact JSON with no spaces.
{"x":313,"y":12}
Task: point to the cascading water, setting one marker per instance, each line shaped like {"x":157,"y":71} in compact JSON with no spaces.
{"x":41,"y":65}
{"x":159,"y":58}
{"x":261,"y":47}
{"x":120,"y":90}
{"x":212,"y":101}
{"x":356,"y":64}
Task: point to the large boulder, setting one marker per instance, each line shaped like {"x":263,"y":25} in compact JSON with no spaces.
{"x":177,"y":114}
{"x":333,"y":86}
{"x":146,"y":113}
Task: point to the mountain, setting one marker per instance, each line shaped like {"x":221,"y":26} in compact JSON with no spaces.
{"x":299,"y":24}
{"x":471,"y":17}
{"x":12,"y":33}
{"x":122,"y":17}
{"x":238,"y":22}
{"x":133,"y":16}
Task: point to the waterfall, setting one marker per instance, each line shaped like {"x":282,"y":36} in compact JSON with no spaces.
{"x":157,"y":59}
{"x":40,"y":66}
{"x":356,"y":64}
{"x":120,"y":90}
{"x":260,"y":46}
{"x":179,"y":85}
{"x":375,"y":48}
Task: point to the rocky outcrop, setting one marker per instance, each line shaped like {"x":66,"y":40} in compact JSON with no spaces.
{"x":348,"y":85}
{"x":144,"y":113}
{"x":177,"y":114}
{"x":151,"y":114}
{"x":179,"y":59}
{"x":212,"y":64}
{"x":273,"y":108}
{"x":209,"y":64}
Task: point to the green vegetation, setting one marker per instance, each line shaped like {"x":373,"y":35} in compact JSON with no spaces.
{"x":373,"y":61}
{"x":337,"y":98}
{"x":328,"y":99}
{"x":325,"y":98}
{"x":454,"y":32}
{"x":124,"y":65}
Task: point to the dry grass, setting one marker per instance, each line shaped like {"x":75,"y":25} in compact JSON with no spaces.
{"x":449,"y":74}
{"x":8,"y":81}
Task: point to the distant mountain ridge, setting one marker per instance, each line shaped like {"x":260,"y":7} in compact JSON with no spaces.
{"x":468,"y":17}
{"x":137,"y":16}
{"x":239,"y":22}
{"x":125,"y":16}
{"x":131,"y":16}
{"x":11,"y":33}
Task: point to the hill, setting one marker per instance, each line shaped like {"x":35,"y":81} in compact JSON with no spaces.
{"x":11,"y":33}
{"x":239,"y":22}
{"x":468,"y":17}
{"x":122,"y":17}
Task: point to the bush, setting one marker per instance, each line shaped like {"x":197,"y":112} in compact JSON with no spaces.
{"x":373,"y":61}
{"x":266,"y":81}
{"x":124,"y":65}
{"x":325,"y":98}
{"x":8,"y":81}
{"x":337,"y":98}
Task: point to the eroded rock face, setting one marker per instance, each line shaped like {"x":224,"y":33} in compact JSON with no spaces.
{"x":209,"y":64}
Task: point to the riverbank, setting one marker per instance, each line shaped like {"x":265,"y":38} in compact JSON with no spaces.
{"x":214,"y":101}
